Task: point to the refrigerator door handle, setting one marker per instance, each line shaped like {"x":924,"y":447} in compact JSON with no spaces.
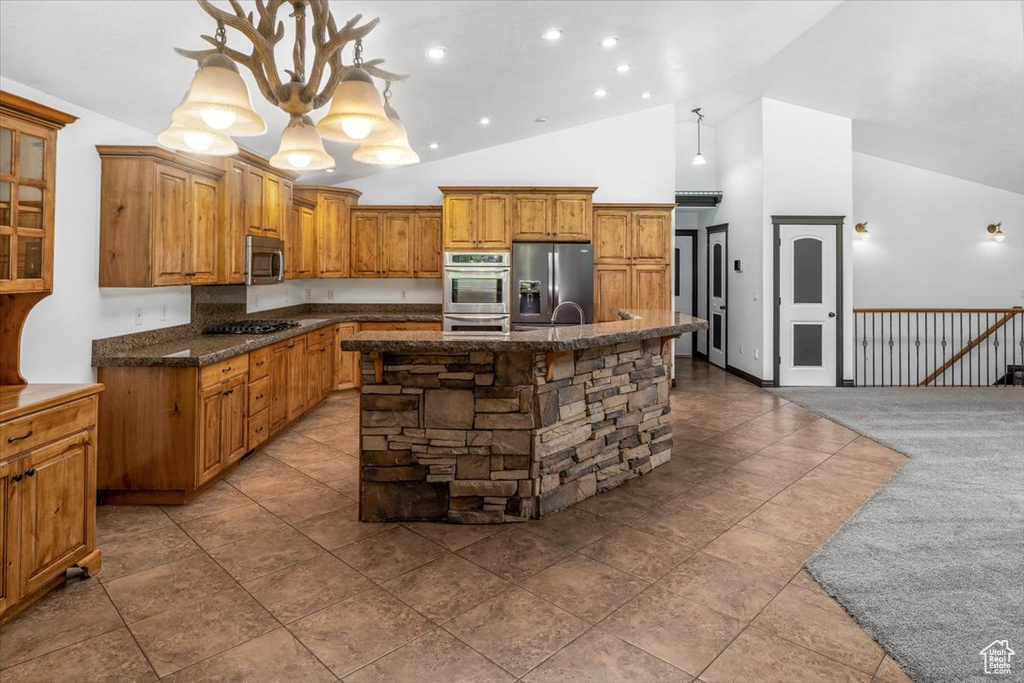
{"x":554,"y":280}
{"x":552,"y":290}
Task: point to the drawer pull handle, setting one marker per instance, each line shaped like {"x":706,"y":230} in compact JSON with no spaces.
{"x":227,"y":369}
{"x":30,"y":472}
{"x":260,"y":364}
{"x":16,"y":477}
{"x":259,"y":396}
{"x":229,"y":391}
{"x":12,"y":439}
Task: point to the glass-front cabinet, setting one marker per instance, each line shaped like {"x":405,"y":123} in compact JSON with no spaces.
{"x":28,"y":156}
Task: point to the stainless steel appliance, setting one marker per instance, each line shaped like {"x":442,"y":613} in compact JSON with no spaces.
{"x":546,"y":274}
{"x":251,"y":327}
{"x":264,"y":260}
{"x":476,"y":292}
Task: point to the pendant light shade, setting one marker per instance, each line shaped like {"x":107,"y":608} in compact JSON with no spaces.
{"x":301,"y":148}
{"x":395,"y":152}
{"x":356,"y":114}
{"x":218,"y":99}
{"x":699,"y":160}
{"x":197,"y":140}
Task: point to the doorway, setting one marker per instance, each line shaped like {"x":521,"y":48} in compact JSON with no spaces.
{"x":808,"y":260}
{"x":718,"y":294}
{"x":684,"y":285}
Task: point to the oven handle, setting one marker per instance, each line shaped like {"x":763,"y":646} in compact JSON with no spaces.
{"x":482,"y":271}
{"x":474,"y":318}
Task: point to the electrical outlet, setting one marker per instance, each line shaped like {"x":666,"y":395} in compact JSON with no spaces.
{"x":756,"y":354}
{"x":138,"y":316}
{"x":741,"y":348}
{"x":330,"y":295}
{"x":404,"y":296}
{"x":287,"y":297}
{"x":256,"y":301}
{"x":163,"y":312}
{"x":755,"y":295}
{"x":307,"y":294}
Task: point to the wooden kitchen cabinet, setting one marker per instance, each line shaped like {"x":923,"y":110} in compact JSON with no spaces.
{"x":476,"y":221}
{"x":395,"y":241}
{"x":332,"y":239}
{"x":365,"y":250}
{"x":492,"y":218}
{"x":612,"y":243}
{"x":460,"y":219}
{"x":235,"y":219}
{"x":572,"y":216}
{"x":346,"y":370}
{"x":160,"y":218}
{"x":279,"y":386}
{"x":531,"y":217}
{"x":300,"y":241}
{"x":319,"y":369}
{"x":297,"y":378}
{"x":47,"y":489}
{"x":426,"y":243}
{"x":223,"y":411}
{"x":612,"y":289}
{"x":652,"y":233}
{"x":632,"y":253}
{"x":494,"y":222}
{"x":651,"y":288}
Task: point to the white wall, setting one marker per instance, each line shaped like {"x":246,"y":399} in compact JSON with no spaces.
{"x":928,"y":245}
{"x":344,"y":291}
{"x":628,"y":158}
{"x":688,"y":176}
{"x":808,"y":170}
{"x":57,"y":340}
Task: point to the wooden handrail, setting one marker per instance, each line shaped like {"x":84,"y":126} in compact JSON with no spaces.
{"x":1009,"y":314}
{"x":938,"y":310}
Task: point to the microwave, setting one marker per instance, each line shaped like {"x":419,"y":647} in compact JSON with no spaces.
{"x":264,"y":260}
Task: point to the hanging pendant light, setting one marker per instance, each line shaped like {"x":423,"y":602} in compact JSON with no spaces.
{"x":395,"y":152}
{"x":301,"y":147}
{"x":698,"y":160}
{"x":219,"y":98}
{"x":356,"y":114}
{"x":197,"y":140}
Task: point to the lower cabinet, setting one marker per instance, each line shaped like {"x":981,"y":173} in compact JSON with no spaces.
{"x":223,"y":412}
{"x":620,"y":286}
{"x":346,"y":363}
{"x":47,"y":499}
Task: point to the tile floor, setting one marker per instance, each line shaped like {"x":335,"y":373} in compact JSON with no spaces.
{"x":690,"y":573}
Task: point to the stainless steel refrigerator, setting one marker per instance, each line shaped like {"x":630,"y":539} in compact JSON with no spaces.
{"x":545,"y":274}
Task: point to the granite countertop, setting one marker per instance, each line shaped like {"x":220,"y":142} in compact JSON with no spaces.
{"x":194,"y":349}
{"x":636,"y":325}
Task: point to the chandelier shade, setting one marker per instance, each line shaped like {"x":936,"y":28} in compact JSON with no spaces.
{"x":219,"y":99}
{"x":395,"y":152}
{"x":301,"y":148}
{"x":356,"y":113}
{"x":197,"y":140}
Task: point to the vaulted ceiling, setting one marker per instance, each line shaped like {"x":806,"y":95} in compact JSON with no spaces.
{"x":934,"y":84}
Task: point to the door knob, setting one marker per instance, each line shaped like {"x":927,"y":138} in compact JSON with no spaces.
{"x":831,"y":314}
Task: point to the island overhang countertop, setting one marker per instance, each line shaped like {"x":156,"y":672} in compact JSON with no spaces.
{"x":636,"y":326}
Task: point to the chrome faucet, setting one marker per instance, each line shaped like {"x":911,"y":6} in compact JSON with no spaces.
{"x":579,"y":309}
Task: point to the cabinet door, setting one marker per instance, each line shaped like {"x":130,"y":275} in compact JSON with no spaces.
{"x":346,"y":362}
{"x":234,"y":409}
{"x":326,"y":370}
{"x":205,"y":227}
{"x":427,"y":245}
{"x":235,"y":220}
{"x":652,"y":233}
{"x":612,"y":238}
{"x":170,"y":227}
{"x":211,"y":437}
{"x":396,"y":244}
{"x":573,"y":217}
{"x":531,"y":216}
{"x":365,"y":247}
{"x":254,"y":198}
{"x":612,"y":285}
{"x":494,"y":224}
{"x":10,"y":514}
{"x":307,"y":229}
{"x":293,"y":244}
{"x":58,"y":508}
{"x":332,"y":237}
{"x":273,"y":205}
{"x":296,"y":378}
{"x":651,"y":288}
{"x":459,"y":216}
{"x":279,"y":386}
{"x":313,"y":358}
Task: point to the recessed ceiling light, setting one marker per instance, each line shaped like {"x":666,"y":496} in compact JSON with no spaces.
{"x":541,"y":119}
{"x":622,"y":68}
{"x":646,"y":95}
{"x":433,"y":145}
{"x":437,"y":52}
{"x":610,"y":41}
{"x":600,"y":93}
{"x":484,"y":120}
{"x":552,"y":34}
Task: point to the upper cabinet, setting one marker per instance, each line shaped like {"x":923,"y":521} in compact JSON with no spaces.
{"x":395,"y":241}
{"x":28,"y":161}
{"x":300,"y":241}
{"x":633,"y":233}
{"x":160,"y":218}
{"x":332,"y":240}
{"x":491,"y":218}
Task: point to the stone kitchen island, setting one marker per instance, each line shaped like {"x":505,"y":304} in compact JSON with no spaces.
{"x":491,"y":429}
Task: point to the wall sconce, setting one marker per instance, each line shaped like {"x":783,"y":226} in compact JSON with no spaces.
{"x":862,"y":230}
{"x":996,"y":230}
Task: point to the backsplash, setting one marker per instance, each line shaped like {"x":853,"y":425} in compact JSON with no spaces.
{"x":349,"y":291}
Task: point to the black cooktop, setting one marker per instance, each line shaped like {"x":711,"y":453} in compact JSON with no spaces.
{"x":251,"y":327}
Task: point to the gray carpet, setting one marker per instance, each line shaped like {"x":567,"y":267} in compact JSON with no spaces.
{"x":932,"y":566}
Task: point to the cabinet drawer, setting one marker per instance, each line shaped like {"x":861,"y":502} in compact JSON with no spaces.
{"x":259,"y":428}
{"x":319,"y":336}
{"x":259,"y":364}
{"x":259,"y":395}
{"x":228,"y":369}
{"x":18,"y":436}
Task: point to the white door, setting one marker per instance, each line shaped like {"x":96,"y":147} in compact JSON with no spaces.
{"x":683,"y":287}
{"x":807,"y":306}
{"x":718,"y":288}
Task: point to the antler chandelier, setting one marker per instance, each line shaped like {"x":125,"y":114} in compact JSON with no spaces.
{"x":218,"y":107}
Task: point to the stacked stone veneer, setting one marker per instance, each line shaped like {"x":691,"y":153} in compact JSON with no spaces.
{"x":482,"y":437}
